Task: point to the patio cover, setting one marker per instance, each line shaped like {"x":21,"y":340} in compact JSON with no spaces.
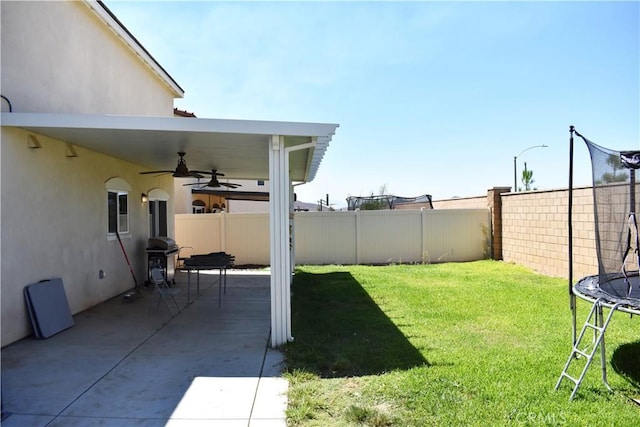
{"x":282,"y":152}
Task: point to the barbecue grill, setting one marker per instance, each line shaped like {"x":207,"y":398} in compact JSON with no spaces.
{"x":161,"y":253}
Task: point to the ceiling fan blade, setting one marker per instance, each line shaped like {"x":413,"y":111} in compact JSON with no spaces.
{"x":211,"y":172}
{"x":156,"y":172}
{"x":190,"y":174}
{"x":230,"y":185}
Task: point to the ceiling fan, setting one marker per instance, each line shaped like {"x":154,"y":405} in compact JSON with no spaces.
{"x":181,"y":170}
{"x":214,"y":183}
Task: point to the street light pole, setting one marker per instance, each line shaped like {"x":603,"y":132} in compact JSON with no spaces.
{"x":515,"y":165}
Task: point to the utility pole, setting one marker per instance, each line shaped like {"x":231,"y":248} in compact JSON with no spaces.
{"x":323,"y":202}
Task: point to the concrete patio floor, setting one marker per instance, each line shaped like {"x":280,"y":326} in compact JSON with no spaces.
{"x":130,"y":364}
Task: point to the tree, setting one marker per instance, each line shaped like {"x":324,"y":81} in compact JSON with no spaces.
{"x":610,"y":177}
{"x":527,"y":177}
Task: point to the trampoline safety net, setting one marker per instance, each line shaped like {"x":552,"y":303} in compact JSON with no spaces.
{"x":617,"y":284}
{"x":616,"y":195}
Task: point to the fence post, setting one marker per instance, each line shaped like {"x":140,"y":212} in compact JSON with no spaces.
{"x":494,"y":202}
{"x":423,"y":240}
{"x":357,"y":231}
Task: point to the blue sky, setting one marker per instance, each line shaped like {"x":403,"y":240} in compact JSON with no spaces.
{"x":431,"y":97}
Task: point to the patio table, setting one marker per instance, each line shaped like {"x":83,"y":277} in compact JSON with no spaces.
{"x":220,"y":261}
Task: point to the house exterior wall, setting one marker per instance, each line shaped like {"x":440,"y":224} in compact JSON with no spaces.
{"x":54,"y":224}
{"x":58,"y":57}
{"x":182,"y":197}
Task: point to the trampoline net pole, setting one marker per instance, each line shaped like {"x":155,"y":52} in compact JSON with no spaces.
{"x":572,"y":297}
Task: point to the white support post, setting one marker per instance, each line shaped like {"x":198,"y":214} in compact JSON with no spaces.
{"x":279,"y":241}
{"x":280,"y":209}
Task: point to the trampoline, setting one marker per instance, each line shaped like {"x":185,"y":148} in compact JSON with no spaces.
{"x":616,"y":287}
{"x":612,"y":292}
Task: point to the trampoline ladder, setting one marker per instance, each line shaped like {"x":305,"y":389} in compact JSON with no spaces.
{"x":596,"y":322}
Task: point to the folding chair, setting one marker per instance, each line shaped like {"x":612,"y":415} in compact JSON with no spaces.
{"x":161,"y":287}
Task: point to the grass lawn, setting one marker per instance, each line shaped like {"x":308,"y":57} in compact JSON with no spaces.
{"x":462,"y":344}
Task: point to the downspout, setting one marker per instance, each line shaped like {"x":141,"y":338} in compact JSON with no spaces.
{"x":289,"y":270}
{"x":293,"y":236}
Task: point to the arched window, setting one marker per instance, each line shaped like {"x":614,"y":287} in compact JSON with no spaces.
{"x":117,"y":206}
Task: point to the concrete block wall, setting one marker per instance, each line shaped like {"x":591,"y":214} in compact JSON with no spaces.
{"x":479,"y":202}
{"x":531,"y":229}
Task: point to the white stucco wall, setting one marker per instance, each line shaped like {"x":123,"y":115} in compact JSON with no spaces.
{"x":182,"y":196}
{"x":54,"y":224}
{"x":58,"y":57}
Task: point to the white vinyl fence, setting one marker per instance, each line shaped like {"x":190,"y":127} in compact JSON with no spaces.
{"x":352,"y":237}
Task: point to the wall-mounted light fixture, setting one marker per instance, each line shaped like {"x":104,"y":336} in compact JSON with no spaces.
{"x":71,"y":151}
{"x":144,"y":198}
{"x":32,"y":142}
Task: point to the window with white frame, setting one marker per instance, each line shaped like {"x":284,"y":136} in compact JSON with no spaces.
{"x":118,"y":212}
{"x":117,"y":206}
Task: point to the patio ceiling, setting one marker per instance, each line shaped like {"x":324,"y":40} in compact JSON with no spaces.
{"x":237,"y":148}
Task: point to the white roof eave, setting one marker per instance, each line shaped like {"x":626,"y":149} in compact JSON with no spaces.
{"x":239,"y":148}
